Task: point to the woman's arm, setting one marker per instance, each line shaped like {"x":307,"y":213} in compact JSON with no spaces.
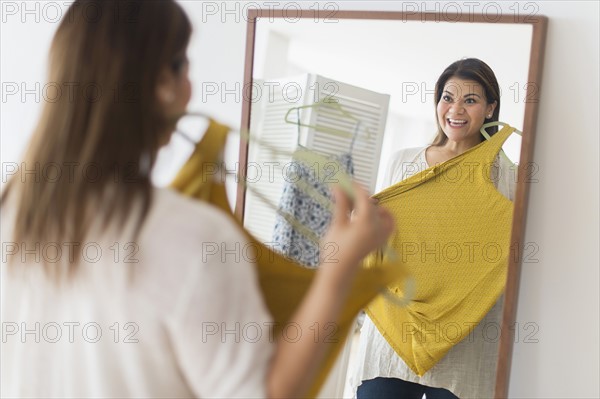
{"x":295,"y":363}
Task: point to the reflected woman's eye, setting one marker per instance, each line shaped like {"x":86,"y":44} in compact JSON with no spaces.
{"x":470,"y":101}
{"x":447,"y":98}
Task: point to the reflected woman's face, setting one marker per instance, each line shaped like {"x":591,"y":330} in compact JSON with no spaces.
{"x":462,"y":109}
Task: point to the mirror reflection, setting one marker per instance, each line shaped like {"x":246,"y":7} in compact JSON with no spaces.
{"x":361,"y":95}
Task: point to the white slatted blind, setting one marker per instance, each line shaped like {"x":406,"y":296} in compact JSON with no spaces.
{"x":267,"y":122}
{"x":368,"y":106}
{"x":266,"y":169}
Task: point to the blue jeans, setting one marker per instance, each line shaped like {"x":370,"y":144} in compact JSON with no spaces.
{"x":384,"y":388}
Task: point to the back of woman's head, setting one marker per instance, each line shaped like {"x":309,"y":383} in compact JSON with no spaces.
{"x":104,"y":127}
{"x":475,"y":70}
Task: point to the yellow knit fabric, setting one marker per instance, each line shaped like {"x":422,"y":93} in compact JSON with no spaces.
{"x":453,"y":233}
{"x":282,"y":281}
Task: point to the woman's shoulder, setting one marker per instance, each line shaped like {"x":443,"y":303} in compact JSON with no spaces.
{"x":182,"y":238}
{"x":175,"y":203}
{"x":403,"y":163}
{"x":407,"y":157}
{"x":188,"y":216}
{"x":407,"y":154}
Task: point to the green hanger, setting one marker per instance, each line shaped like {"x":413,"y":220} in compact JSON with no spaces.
{"x":487,"y":136}
{"x":307,"y":157}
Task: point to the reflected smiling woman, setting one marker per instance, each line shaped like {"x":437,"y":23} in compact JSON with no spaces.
{"x":467,"y":95}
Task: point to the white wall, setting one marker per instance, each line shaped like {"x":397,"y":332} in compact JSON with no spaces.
{"x":560,"y":293}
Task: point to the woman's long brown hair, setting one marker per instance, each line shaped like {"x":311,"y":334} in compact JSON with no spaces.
{"x":96,"y":142}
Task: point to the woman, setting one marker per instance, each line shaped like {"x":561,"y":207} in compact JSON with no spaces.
{"x":109,"y":290}
{"x":467,"y":95}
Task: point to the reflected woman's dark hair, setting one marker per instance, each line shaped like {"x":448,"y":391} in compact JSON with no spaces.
{"x":475,"y":70}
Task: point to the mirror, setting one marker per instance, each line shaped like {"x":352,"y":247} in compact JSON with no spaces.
{"x":380,"y":70}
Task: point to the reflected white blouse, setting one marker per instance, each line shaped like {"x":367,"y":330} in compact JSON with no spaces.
{"x":469,"y":369}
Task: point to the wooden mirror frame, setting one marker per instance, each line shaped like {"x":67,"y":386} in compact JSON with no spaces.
{"x":539,"y":24}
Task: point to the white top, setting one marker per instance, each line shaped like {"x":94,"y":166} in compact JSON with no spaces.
{"x":186,"y":320}
{"x":469,"y":369}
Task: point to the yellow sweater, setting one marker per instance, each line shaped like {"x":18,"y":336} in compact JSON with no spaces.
{"x":453,"y":233}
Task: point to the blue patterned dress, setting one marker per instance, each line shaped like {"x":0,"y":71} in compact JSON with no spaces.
{"x":307,"y":208}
